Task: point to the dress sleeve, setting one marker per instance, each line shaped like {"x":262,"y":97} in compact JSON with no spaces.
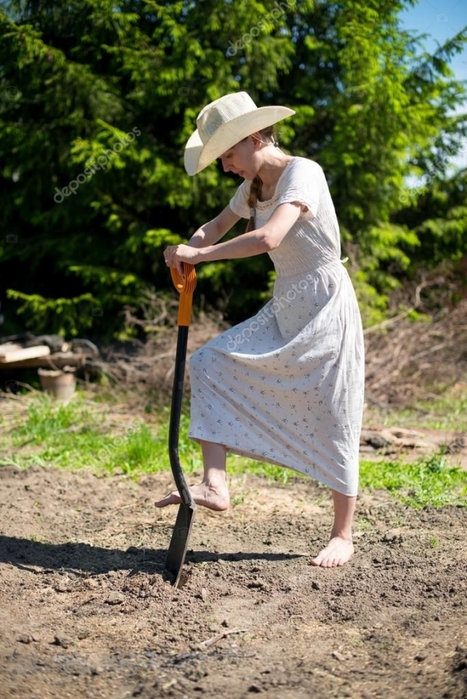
{"x":239,"y":202}
{"x":303,"y":182}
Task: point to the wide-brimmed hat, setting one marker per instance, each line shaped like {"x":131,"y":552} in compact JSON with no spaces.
{"x":225,"y":122}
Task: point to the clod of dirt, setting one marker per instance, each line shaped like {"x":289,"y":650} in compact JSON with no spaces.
{"x":115,"y":598}
{"x":63,"y":641}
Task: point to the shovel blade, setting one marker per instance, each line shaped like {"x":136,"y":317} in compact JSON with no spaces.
{"x":179,"y":542}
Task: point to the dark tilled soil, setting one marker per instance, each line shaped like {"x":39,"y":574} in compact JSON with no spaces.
{"x":86,"y":610}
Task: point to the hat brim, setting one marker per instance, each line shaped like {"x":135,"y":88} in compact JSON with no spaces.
{"x":199,"y":155}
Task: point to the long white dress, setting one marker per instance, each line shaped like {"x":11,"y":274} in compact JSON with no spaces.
{"x":286,"y":386}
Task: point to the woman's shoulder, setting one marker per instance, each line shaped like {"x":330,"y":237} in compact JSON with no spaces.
{"x":303,"y":172}
{"x":239,"y":200}
{"x":301,"y":164}
{"x":243,"y":190}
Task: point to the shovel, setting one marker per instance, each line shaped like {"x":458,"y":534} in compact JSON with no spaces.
{"x":186,"y":512}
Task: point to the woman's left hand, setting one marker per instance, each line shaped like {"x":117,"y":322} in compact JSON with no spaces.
{"x":174,"y":255}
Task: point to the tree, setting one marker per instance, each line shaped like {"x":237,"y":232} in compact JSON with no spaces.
{"x":381,"y":113}
{"x":99,"y":98}
{"x":437,"y":212}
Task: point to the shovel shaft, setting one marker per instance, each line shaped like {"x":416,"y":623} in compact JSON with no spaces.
{"x":185,"y":286}
{"x":175,"y":413}
{"x":186,"y":510}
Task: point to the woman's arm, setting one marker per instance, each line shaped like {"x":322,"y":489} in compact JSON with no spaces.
{"x":214,"y":230}
{"x":248,"y":244}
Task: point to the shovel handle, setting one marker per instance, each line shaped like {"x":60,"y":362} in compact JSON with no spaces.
{"x":185,"y":285}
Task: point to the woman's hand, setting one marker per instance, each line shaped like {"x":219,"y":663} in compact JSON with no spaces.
{"x":174,"y":255}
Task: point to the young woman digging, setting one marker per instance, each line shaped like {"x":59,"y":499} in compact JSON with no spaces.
{"x":285,"y":386}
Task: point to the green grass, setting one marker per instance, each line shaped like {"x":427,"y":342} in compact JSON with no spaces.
{"x":428,"y":481}
{"x":108,"y":439}
{"x":83,"y":434}
{"x":445,"y":412}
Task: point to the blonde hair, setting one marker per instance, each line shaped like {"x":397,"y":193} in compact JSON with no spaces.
{"x":255,"y":188}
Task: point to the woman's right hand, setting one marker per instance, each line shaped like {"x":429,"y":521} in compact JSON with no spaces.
{"x":174,"y":255}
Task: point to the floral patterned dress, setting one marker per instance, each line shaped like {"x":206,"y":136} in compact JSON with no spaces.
{"x":286,"y":386}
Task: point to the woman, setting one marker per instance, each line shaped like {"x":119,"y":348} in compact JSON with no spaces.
{"x":285,"y":386}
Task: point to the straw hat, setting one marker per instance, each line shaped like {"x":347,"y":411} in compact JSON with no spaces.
{"x":225,"y":122}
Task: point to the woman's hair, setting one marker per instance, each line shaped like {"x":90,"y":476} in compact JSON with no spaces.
{"x":268,"y":134}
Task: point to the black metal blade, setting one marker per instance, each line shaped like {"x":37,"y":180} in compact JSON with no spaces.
{"x":179,"y":541}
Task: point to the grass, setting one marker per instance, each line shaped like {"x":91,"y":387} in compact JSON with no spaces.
{"x":112,"y":439}
{"x":89,"y":434}
{"x":429,"y":481}
{"x":447,"y":411}
{"x":81,"y":434}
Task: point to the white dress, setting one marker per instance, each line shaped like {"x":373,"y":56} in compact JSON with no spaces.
{"x":286,"y":386}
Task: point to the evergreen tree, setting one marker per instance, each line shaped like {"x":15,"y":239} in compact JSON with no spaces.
{"x":99,"y":97}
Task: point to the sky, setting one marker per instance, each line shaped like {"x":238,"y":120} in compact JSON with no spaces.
{"x":441,"y":20}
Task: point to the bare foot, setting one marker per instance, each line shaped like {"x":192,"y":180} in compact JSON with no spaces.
{"x":337,"y":552}
{"x":212,"y":497}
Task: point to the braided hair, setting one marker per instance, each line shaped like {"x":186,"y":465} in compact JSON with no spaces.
{"x":255,"y":188}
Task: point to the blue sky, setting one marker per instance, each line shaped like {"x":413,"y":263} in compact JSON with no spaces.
{"x":441,"y":20}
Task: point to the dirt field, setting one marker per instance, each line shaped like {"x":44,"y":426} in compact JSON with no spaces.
{"x":87,"y":612}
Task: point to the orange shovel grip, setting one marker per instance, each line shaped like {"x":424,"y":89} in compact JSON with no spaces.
{"x":185,"y":286}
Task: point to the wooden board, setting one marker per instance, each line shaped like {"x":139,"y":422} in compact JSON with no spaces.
{"x":9,"y":347}
{"x":51,"y":361}
{"x":13,"y":353}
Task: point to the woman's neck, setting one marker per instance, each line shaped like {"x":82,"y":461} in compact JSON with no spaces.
{"x":270,"y":171}
{"x":272,"y":168}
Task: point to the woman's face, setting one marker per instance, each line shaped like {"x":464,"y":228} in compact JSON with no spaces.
{"x":242,"y":159}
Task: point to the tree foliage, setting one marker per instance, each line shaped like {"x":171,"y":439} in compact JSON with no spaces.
{"x":99,"y":97}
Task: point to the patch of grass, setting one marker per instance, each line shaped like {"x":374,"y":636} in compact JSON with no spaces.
{"x":429,"y":481}
{"x":447,"y":411}
{"x":90,"y":434}
{"x":83,"y":434}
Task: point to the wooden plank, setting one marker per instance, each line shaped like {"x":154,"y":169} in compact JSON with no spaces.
{"x":18,"y":355}
{"x":9,"y":347}
{"x":52,"y":361}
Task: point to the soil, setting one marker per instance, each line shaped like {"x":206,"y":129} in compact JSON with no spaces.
{"x":87,"y":610}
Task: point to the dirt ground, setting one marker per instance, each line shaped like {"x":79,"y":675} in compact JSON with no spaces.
{"x":86,"y":609}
